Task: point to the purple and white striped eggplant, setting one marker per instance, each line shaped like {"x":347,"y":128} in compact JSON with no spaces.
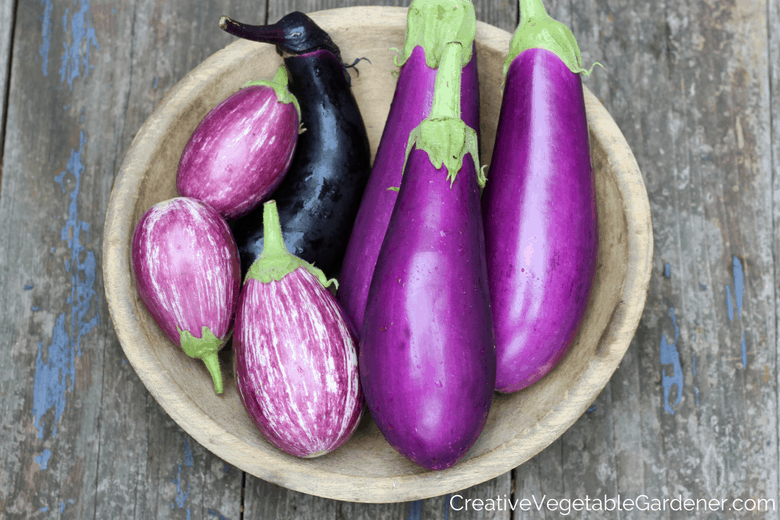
{"x":295,"y":353}
{"x":243,"y":148}
{"x":188,"y":276}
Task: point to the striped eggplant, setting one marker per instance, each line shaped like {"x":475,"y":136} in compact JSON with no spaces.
{"x":539,"y":207}
{"x":430,"y":25}
{"x":295,"y":353}
{"x":242,"y":150}
{"x":188,"y":276}
{"x":427,"y":356}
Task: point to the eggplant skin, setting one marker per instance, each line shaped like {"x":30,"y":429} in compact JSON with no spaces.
{"x":240,"y":152}
{"x":427,"y":354}
{"x":186,"y":268}
{"x":320,"y":196}
{"x":411,"y":104}
{"x":296,"y":364}
{"x":539,"y":209}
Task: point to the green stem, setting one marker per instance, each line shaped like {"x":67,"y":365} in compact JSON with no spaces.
{"x":538,"y":30}
{"x":212,"y":364}
{"x":204,"y":348}
{"x":431,"y":24}
{"x":275,"y":261}
{"x":443,"y":134}
{"x":531,"y":9}
{"x":279,"y":85}
{"x":446,"y":89}
{"x":273,"y":240}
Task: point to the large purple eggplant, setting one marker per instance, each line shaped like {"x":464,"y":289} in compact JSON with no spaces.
{"x":430,"y":25}
{"x":427,"y":356}
{"x":320,"y":196}
{"x":539,"y":206}
{"x":188,"y":276}
{"x":243,"y":148}
{"x":295,"y":354}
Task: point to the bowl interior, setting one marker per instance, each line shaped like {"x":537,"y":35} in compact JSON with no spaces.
{"x":367,"y":469}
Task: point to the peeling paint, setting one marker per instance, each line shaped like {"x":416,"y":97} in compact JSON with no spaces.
{"x":188,"y":458}
{"x":76,"y":55}
{"x":43,"y":459}
{"x":55,"y":371}
{"x":671,"y":356}
{"x":181,"y":497}
{"x":43,"y":51}
{"x":415,"y":510}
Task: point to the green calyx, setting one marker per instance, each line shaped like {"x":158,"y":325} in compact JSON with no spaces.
{"x":538,"y":30}
{"x":444,"y":135}
{"x":275,"y":262}
{"x":204,"y":348}
{"x":431,"y":24}
{"x":279,"y":84}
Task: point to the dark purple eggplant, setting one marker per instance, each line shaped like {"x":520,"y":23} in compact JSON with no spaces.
{"x":320,"y":196}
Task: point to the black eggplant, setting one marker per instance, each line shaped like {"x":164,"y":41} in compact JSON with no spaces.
{"x":320,"y":196}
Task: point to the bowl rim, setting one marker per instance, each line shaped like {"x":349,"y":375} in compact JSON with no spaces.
{"x":291,"y":473}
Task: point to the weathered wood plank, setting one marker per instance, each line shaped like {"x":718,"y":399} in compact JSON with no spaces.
{"x":81,"y":427}
{"x":164,"y":472}
{"x":687,"y":85}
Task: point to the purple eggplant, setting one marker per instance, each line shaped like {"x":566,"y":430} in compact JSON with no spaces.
{"x":430,"y":24}
{"x":295,"y":354}
{"x":188,"y":276}
{"x":243,"y":148}
{"x":427,"y":355}
{"x":539,"y":207}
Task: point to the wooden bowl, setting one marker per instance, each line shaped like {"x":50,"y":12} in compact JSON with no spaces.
{"x":367,"y":469}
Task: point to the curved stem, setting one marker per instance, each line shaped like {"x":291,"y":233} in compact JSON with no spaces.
{"x":211,"y":360}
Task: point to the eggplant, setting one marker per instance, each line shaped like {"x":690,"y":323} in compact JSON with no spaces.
{"x":242,"y":149}
{"x":188,"y":276}
{"x":427,"y":356}
{"x":295,"y":354}
{"x":430,"y":25}
{"x":319,"y":198}
{"x":539,"y":207}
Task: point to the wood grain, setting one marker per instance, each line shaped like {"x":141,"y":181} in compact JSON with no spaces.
{"x":693,"y":87}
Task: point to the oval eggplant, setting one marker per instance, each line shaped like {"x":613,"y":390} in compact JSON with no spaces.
{"x":539,"y":206}
{"x":188,"y":276}
{"x":427,"y":356}
{"x":242,"y":149}
{"x":430,"y":24}
{"x":295,"y":354}
{"x":319,"y":198}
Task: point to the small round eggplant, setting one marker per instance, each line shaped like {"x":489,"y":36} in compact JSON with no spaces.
{"x":539,"y":207}
{"x":242,"y":150}
{"x":295,"y":354}
{"x":188,"y":276}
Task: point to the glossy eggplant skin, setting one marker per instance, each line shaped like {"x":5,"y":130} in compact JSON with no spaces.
{"x":411,"y":104}
{"x":296,"y":364}
{"x":240,"y":152}
{"x":427,"y":356}
{"x":187,"y":274}
{"x":539,"y":210}
{"x":320,"y":196}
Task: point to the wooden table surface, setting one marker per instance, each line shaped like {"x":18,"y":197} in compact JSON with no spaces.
{"x":691,"y":413}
